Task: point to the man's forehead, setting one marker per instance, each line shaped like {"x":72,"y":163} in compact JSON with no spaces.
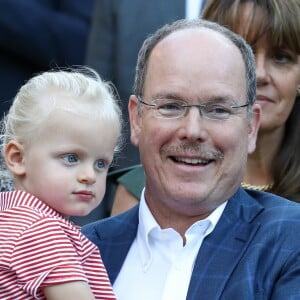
{"x":195,"y":58}
{"x":201,"y":37}
{"x":193,"y":47}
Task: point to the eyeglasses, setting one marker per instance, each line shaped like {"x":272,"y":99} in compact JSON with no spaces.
{"x":172,"y":109}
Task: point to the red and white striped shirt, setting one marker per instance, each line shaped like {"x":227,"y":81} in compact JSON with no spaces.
{"x":38,"y":247}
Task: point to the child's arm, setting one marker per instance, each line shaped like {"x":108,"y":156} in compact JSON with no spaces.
{"x":75,"y":290}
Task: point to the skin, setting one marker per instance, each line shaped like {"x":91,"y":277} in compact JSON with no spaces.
{"x":278,"y":76}
{"x":74,"y":163}
{"x":67,"y":171}
{"x":72,"y":290}
{"x":177,"y":193}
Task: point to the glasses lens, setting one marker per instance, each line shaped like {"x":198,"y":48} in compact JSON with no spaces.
{"x":217,"y":111}
{"x":169,"y":108}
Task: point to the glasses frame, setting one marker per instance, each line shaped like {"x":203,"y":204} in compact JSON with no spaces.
{"x":188,"y":106}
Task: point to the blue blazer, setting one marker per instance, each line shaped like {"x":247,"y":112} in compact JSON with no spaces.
{"x":253,"y":252}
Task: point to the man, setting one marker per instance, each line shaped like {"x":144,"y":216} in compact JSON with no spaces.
{"x":196,"y":234}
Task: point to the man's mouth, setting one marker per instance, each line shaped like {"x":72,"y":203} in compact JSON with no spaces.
{"x":192,"y":154}
{"x":191,"y":161}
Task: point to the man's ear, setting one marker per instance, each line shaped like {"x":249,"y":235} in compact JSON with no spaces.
{"x":14,"y":158}
{"x":254,"y":127}
{"x":135,"y":120}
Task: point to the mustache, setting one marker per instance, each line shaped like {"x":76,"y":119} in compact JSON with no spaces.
{"x":192,"y":148}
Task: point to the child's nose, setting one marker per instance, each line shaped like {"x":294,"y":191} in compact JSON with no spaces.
{"x":87,"y":175}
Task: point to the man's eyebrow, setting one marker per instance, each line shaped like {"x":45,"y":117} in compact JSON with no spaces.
{"x":210,"y":99}
{"x":219,"y":99}
{"x":171,"y":96}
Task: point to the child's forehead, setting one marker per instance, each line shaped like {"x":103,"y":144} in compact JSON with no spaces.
{"x":58,"y":105}
{"x":62,"y":125}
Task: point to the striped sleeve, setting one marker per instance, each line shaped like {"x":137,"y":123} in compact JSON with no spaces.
{"x":44,"y":255}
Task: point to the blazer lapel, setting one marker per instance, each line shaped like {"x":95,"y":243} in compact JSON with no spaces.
{"x":115,"y":240}
{"x":223,"y":248}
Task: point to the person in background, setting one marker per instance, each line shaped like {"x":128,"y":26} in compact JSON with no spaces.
{"x":118,"y":30}
{"x":196,"y":233}
{"x":36,"y":36}
{"x":58,"y":141}
{"x":272,"y":28}
{"x":128,"y":188}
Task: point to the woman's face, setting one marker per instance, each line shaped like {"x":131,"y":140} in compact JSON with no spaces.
{"x":277,"y":71}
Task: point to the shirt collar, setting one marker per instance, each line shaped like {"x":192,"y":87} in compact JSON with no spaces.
{"x":20,"y":198}
{"x":147,"y":224}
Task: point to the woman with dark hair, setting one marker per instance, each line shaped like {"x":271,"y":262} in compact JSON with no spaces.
{"x":272,"y":28}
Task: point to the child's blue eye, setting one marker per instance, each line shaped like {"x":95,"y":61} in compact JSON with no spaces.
{"x":70,"y":158}
{"x":100,"y":164}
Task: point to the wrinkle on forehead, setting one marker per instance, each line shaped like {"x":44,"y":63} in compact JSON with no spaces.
{"x":195,"y":52}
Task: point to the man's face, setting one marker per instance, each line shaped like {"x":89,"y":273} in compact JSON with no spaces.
{"x":193,"y":164}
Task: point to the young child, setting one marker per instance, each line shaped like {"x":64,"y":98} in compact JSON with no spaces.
{"x":58,"y":140}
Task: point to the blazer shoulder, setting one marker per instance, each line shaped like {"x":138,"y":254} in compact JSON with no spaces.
{"x":270,"y":200}
{"x":122,"y":224}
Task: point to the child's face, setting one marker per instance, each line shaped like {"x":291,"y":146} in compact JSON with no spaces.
{"x":67,"y":164}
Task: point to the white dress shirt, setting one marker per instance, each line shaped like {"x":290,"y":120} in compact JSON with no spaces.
{"x":158,"y":265}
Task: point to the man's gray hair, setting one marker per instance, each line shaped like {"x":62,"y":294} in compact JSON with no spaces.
{"x":166,"y":30}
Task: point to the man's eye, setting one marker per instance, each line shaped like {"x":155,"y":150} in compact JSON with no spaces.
{"x":70,"y":158}
{"x":170,"y":108}
{"x":100,"y":164}
{"x":218,"y":111}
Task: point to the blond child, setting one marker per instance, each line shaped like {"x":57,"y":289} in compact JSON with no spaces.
{"x":58,"y":142}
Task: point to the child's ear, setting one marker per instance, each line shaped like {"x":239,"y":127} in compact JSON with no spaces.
{"x":14,"y":158}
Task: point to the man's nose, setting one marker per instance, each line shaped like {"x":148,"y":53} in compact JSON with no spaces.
{"x":194,"y":125}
